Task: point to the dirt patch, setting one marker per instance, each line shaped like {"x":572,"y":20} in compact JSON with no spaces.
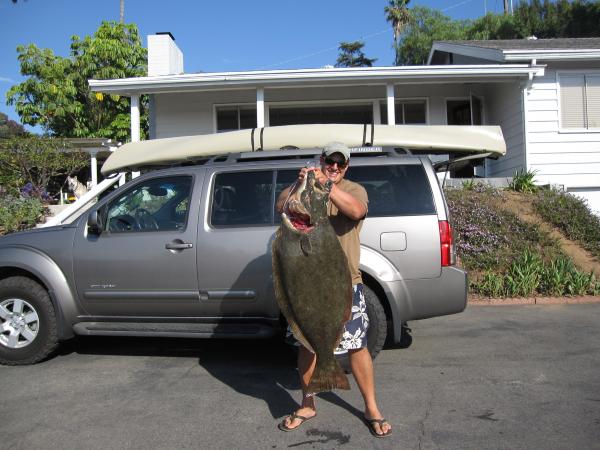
{"x":520,"y":205}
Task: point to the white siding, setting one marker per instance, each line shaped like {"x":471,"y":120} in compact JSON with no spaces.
{"x":570,"y":159}
{"x":192,"y":113}
{"x":504,"y":107}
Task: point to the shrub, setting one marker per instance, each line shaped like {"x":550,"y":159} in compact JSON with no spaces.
{"x":523,"y":181}
{"x":33,"y":161}
{"x":572,"y":216}
{"x":18,"y":214}
{"x":524,"y":275}
{"x":489,"y":238}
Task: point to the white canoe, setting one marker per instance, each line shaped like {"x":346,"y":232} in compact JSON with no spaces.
{"x":485,"y":140}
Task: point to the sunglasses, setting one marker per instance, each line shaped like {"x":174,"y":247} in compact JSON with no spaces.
{"x":331,"y":161}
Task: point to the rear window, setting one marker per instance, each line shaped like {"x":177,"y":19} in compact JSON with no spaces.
{"x":395,"y":190}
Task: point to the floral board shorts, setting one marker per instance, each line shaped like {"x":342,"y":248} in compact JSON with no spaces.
{"x":355,"y":330}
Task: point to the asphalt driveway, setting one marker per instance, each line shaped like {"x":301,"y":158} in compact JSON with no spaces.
{"x":492,"y":377}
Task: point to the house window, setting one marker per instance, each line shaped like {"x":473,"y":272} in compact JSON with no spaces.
{"x":580,"y":101}
{"x":297,"y":115}
{"x":458,"y":112}
{"x":407,"y":112}
{"x":230,"y":118}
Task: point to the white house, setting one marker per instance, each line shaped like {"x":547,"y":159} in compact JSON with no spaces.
{"x":516,"y":84}
{"x":551,"y":122}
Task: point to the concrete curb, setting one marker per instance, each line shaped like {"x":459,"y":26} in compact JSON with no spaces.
{"x":475,"y":301}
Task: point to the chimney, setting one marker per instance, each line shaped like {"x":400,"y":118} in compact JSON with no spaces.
{"x":164,"y":57}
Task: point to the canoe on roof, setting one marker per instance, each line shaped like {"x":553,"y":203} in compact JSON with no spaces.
{"x":416,"y":138}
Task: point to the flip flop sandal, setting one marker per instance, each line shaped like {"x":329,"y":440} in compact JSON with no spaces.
{"x":283,"y":427}
{"x":371,"y":424}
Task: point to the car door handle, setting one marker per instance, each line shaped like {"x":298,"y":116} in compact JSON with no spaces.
{"x":178,"y":245}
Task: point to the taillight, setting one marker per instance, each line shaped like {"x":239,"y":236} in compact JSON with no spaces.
{"x":446,"y":244}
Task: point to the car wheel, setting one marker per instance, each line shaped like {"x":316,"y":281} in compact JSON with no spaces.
{"x":377,"y":331}
{"x":27,"y":322}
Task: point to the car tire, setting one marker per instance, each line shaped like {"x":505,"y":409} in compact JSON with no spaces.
{"x":377,"y":331}
{"x":28,"y":331}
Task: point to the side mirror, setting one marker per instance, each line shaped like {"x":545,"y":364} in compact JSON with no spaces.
{"x":94,"y":223}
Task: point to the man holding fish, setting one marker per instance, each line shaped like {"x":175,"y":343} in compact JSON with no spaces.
{"x":314,"y":255}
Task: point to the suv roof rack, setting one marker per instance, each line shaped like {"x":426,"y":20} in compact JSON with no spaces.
{"x":284,"y":154}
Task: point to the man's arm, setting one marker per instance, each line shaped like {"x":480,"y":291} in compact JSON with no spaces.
{"x":347,"y":204}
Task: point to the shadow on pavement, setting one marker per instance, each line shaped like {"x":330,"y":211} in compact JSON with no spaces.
{"x":263,"y":369}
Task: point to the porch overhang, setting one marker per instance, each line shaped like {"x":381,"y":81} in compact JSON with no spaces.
{"x":315,"y":77}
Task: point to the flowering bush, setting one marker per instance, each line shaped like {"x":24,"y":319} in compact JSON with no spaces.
{"x":18,"y":214}
{"x":506,"y":256}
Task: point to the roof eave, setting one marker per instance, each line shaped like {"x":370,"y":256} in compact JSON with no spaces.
{"x":489,"y":54}
{"x":552,"y":55}
{"x":241,"y":80}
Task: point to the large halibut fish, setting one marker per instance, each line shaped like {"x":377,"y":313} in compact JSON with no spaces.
{"x":312,"y":280}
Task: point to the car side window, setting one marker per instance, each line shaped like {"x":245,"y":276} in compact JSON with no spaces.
{"x":160,"y":204}
{"x":242,"y":199}
{"x":395,"y":189}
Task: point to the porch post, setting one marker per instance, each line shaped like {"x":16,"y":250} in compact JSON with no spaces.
{"x":376,"y":113}
{"x":260,"y":107}
{"x":391,"y":106}
{"x":135,"y":124}
{"x":94,"y":167}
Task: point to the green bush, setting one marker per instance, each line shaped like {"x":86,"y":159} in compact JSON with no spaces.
{"x":530,"y":275}
{"x":523,"y":181}
{"x":572,"y":216}
{"x":18,"y":214}
{"x":524,"y":275}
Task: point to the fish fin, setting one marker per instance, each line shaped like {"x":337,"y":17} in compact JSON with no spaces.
{"x":305,"y":245}
{"x":328,"y":377}
{"x":283,"y":300}
{"x":300,"y":337}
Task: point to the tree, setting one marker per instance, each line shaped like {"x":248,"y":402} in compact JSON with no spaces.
{"x":398,"y":15}
{"x":56,"y":94}
{"x":351,"y":55}
{"x":426,"y":26}
{"x":10,"y":128}
{"x":540,"y":18}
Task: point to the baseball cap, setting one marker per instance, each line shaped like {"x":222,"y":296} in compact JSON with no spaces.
{"x":336,"y":147}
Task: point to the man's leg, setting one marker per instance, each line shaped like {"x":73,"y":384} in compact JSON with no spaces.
{"x":306,"y":367}
{"x":362,"y":369}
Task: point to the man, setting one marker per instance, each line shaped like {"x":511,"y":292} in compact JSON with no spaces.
{"x":347,"y":209}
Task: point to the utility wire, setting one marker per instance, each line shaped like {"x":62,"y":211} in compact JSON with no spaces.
{"x":364,"y":38}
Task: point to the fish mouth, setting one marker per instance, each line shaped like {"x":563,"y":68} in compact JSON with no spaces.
{"x":295,"y":215}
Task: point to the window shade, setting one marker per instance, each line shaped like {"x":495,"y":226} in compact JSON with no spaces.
{"x":572,"y":105}
{"x":592,"y":91}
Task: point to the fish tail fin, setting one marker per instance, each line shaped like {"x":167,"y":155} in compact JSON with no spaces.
{"x":327,"y":377}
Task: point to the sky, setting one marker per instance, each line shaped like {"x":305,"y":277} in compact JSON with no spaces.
{"x":217,"y":36}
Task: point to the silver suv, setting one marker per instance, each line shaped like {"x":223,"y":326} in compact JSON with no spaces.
{"x":186,"y":252}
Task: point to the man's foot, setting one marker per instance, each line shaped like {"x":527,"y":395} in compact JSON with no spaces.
{"x":296,"y":419}
{"x":379,"y":427}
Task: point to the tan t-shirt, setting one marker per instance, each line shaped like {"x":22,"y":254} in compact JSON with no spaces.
{"x":348,"y":230}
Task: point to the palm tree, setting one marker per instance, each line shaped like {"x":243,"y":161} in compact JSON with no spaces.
{"x":398,"y":15}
